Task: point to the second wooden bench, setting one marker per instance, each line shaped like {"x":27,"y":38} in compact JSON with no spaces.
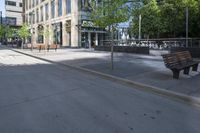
{"x":180,"y":61}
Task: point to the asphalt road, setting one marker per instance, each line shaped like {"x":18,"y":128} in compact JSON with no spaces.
{"x":39,"y":97}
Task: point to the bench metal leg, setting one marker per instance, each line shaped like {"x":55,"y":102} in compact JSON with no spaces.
{"x":195,"y":67}
{"x":176,"y":74}
{"x":56,"y":48}
{"x":186,"y":70}
{"x":40,"y":48}
{"x":48,"y":48}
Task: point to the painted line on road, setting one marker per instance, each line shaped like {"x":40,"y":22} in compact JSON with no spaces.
{"x":139,"y":86}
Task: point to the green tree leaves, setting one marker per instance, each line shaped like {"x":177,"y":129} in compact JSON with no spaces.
{"x":167,"y":18}
{"x":109,"y":12}
{"x":7,"y":31}
{"x":23,"y":31}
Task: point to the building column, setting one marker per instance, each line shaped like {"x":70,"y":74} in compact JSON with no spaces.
{"x":49,"y":3}
{"x":36,"y":35}
{"x":63,"y":7}
{"x":74,"y":23}
{"x":46,"y":38}
{"x":64,"y":34}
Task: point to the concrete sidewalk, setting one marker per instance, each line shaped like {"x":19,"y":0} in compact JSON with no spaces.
{"x":144,"y":69}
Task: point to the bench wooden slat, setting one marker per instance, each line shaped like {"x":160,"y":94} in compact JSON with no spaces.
{"x":180,"y":61}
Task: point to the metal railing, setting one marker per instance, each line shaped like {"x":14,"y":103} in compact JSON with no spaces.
{"x":162,"y":44}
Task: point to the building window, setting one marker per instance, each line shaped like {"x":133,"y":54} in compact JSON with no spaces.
{"x":41,"y":13}
{"x":59,"y":7}
{"x":33,"y":15}
{"x":10,"y":3}
{"x":57,"y":33}
{"x":26,"y":2}
{"x":68,"y":6}
{"x":52,"y":8}
{"x":33,"y":3}
{"x":11,"y":20}
{"x":40,"y":30}
{"x":26,"y":18}
{"x":37,"y":15}
{"x":85,"y":5}
{"x":47,"y":11}
{"x":20,"y":5}
{"x":29,"y":4}
{"x":29,"y":21}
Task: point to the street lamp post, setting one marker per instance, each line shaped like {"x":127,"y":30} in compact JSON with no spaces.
{"x":1,"y":24}
{"x":31,"y":15}
{"x":187,"y":16}
{"x":140,"y":20}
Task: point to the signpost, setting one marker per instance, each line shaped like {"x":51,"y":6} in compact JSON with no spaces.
{"x":187,"y":15}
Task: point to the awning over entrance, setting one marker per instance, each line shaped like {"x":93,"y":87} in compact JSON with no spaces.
{"x":92,"y":29}
{"x":88,"y":26}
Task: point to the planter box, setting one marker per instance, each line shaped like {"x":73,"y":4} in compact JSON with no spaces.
{"x":195,"y":52}
{"x":126,"y":49}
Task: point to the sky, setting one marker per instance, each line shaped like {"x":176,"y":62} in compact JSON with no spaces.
{"x":2,"y":6}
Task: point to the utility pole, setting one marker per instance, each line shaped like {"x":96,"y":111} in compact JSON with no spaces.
{"x":187,"y":16}
{"x":112,"y":48}
{"x":31,"y":15}
{"x":1,"y":24}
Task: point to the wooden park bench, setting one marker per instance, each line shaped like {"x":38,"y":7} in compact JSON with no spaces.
{"x":180,"y":61}
{"x":41,"y":47}
{"x":29,"y":46}
{"x":48,"y":47}
{"x":52,"y":46}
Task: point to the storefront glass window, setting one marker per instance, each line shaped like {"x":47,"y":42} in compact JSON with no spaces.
{"x":68,"y":6}
{"x":47,"y":11}
{"x":57,"y":33}
{"x":52,"y":8}
{"x":59,"y":7}
{"x":41,"y":12}
{"x":37,"y":15}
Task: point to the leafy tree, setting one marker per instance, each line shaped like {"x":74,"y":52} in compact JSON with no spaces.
{"x":1,"y":30}
{"x":108,"y":14}
{"x":193,"y":17}
{"x":198,"y":18}
{"x":150,"y":23}
{"x":23,"y":33}
{"x":167,"y":18}
{"x":10,"y":32}
{"x":172,"y":15}
{"x":47,"y":33}
{"x":7,"y":32}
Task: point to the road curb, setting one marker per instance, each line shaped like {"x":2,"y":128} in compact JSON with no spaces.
{"x":190,"y":100}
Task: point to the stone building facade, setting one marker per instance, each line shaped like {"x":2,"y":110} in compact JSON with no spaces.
{"x":62,"y":22}
{"x":13,"y":12}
